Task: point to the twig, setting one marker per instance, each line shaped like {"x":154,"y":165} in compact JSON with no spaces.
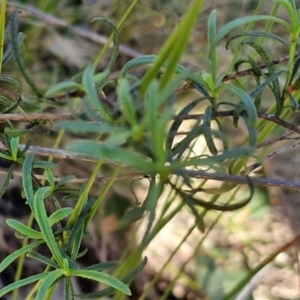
{"x":243,"y":179}
{"x":38,"y":116}
{"x":279,"y":121}
{"x":83,"y":32}
{"x":100,"y":179}
{"x":251,"y":71}
{"x":63,"y":154}
{"x":274,"y":140}
{"x":229,"y":113}
{"x":56,"y":153}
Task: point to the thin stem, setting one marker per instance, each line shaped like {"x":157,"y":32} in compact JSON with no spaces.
{"x":83,"y":197}
{"x":192,"y":256}
{"x":2,"y":30}
{"x":243,"y":179}
{"x":159,"y":273}
{"x":103,"y":193}
{"x":119,"y":25}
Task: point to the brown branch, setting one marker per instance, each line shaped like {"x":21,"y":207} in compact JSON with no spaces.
{"x":100,"y":179}
{"x":279,"y":121}
{"x":243,"y":179}
{"x":274,"y":140}
{"x":229,"y":113}
{"x":266,"y":182}
{"x":38,"y":117}
{"x":56,"y":153}
{"x":251,"y":71}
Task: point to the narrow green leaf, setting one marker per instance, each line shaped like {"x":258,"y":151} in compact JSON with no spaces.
{"x":9,"y":51}
{"x":63,"y":87}
{"x":275,"y":87}
{"x":42,"y":220}
{"x":64,"y":180}
{"x":7,"y":141}
{"x":24,"y":229}
{"x":50,"y":178}
{"x":116,"y":40}
{"x":103,"y":266}
{"x":204,"y":160}
{"x":5,"y":155}
{"x":43,"y":164}
{"x":90,"y":127}
{"x":91,"y":93}
{"x":178,"y":121}
{"x":198,"y":218}
{"x":295,"y":68}
{"x":15,"y":40}
{"x":26,"y":148}
{"x":22,"y":282}
{"x":48,"y":281}
{"x":102,"y":278}
{"x":18,"y":132}
{"x":247,"y":101}
{"x":7,"y":179}
{"x":258,"y":34}
{"x":150,"y":59}
{"x":126,"y":279}
{"x":294,"y":102}
{"x":252,"y":131}
{"x":15,"y":84}
{"x":132,"y":215}
{"x":207,"y":132}
{"x":184,"y":145}
{"x":126,"y":102}
{"x":16,"y":254}
{"x":59,"y":215}
{"x":211,"y":33}
{"x":26,"y":177}
{"x":111,"y":154}
{"x":43,"y":259}
{"x":238,"y":22}
{"x":267,"y":82}
{"x":73,"y":244}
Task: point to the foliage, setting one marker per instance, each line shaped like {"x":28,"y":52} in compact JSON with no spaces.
{"x":140,"y":133}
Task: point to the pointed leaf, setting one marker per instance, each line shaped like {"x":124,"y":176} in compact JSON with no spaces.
{"x":16,"y":254}
{"x":48,"y":281}
{"x":22,"y":282}
{"x":59,"y":215}
{"x":42,"y":219}
{"x":26,"y":177}
{"x":63,"y":87}
{"x":24,"y":229}
{"x":102,"y":278}
{"x":238,"y":22}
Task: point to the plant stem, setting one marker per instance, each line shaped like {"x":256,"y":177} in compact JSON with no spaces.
{"x":2,"y":30}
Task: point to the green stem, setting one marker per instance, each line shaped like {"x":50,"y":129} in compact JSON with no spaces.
{"x":192,"y":256}
{"x":123,"y":19}
{"x":105,"y":189}
{"x":83,"y":197}
{"x":2,"y":30}
{"x":15,"y":293}
{"x":262,"y":264}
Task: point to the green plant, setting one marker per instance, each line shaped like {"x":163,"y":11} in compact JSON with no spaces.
{"x":139,"y":133}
